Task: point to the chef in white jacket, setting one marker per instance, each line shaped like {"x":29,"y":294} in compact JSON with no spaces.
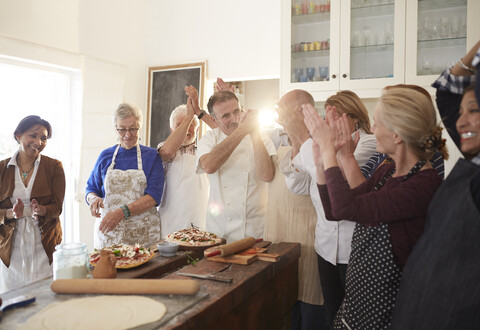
{"x":237,"y":158}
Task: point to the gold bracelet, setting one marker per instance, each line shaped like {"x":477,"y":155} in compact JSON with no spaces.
{"x":471,"y":70}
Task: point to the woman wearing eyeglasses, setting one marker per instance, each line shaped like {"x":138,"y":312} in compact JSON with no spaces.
{"x":127,"y":183}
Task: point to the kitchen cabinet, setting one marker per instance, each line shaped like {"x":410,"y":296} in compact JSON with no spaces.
{"x":438,"y":33}
{"x":370,"y":44}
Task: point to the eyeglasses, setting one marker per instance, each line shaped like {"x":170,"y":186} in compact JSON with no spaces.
{"x":123,"y":131}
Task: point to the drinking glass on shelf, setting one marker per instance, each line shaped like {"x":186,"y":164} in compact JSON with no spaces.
{"x":323,"y":72}
{"x":381,"y":37}
{"x":298,"y":73}
{"x":435,"y":30}
{"x":444,"y":26}
{"x":463,"y":26}
{"x":310,"y":70}
{"x":454,"y":27}
{"x":426,"y":65}
{"x":426,"y":27}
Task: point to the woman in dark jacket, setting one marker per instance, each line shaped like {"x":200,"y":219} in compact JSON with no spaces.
{"x":440,"y":288}
{"x":32,"y":187}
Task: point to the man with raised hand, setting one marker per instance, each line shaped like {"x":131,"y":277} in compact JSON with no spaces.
{"x":237,"y":158}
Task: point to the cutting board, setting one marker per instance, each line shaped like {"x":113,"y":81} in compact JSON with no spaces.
{"x":235,"y":259}
{"x":248,"y":256}
{"x":205,"y":267}
{"x":261,"y":254}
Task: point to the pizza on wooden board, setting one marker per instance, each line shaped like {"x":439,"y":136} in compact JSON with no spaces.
{"x":128,"y":256}
{"x":193,"y":237}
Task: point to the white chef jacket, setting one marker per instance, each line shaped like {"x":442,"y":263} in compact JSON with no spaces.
{"x":185,"y":194}
{"x":332,"y":238}
{"x":238,"y":200}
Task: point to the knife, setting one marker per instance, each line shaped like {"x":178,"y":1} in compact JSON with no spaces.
{"x":15,"y":302}
{"x":209,"y":277}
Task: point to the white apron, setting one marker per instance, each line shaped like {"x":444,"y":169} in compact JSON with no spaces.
{"x":29,"y":261}
{"x":182,"y":181}
{"x":121,"y":188}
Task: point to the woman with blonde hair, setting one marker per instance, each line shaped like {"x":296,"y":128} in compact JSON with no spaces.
{"x":332,"y":239}
{"x":349,"y":103}
{"x":389,"y":209}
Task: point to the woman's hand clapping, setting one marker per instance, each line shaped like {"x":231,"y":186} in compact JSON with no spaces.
{"x":37,"y":209}
{"x":18,"y":209}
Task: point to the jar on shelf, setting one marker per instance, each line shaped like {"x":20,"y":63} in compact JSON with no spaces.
{"x":70,"y":260}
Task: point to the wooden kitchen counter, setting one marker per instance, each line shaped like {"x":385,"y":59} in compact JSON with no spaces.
{"x":260,"y":296}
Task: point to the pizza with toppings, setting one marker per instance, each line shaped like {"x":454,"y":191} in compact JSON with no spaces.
{"x":193,"y":237}
{"x":128,"y":256}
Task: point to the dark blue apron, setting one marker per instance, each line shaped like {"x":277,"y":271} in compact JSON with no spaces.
{"x":440,"y":288}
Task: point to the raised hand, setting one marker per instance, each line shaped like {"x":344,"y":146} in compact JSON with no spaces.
{"x":345,"y":145}
{"x":249,"y":121}
{"x":190,"y":108}
{"x":322,"y":131}
{"x":193,"y":94}
{"x":293,"y":123}
{"x":18,"y":209}
{"x":223,"y":86}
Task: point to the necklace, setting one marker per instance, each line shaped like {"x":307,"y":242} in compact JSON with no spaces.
{"x":25,"y":173}
{"x":410,"y":173}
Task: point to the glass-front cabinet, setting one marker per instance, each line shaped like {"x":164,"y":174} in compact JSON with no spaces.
{"x":311,"y":52}
{"x":437,"y":36}
{"x":365,"y":45}
{"x":342,"y":45}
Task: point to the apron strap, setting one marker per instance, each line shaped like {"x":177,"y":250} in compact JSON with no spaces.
{"x":112,"y":165}
{"x":139,"y":158}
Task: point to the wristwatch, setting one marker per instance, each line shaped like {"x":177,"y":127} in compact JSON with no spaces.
{"x":202,"y":113}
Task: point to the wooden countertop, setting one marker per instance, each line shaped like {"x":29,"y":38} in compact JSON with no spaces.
{"x":260,"y":296}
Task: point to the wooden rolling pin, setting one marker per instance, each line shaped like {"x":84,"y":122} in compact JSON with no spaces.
{"x":231,"y":248}
{"x":125,"y":286}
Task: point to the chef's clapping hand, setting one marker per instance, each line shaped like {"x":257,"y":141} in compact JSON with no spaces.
{"x":37,"y":209}
{"x":18,"y":209}
{"x":249,"y":121}
{"x":95,"y":204}
{"x":111,"y":220}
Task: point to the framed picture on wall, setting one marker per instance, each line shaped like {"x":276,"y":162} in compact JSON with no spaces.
{"x":166,"y":91}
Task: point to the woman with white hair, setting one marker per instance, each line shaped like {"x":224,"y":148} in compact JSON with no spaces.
{"x":127,"y":183}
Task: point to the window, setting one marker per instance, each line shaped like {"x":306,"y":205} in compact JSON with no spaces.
{"x":53,"y":93}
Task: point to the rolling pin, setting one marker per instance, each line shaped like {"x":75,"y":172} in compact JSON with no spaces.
{"x":125,"y":286}
{"x":231,"y":248}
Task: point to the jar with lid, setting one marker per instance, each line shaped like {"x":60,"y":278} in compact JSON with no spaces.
{"x":70,"y":260}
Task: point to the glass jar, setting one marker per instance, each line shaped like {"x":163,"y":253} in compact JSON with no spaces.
{"x":70,"y":260}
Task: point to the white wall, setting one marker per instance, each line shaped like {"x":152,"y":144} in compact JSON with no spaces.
{"x":262,"y":94}
{"x":239,"y":39}
{"x":115,"y":41}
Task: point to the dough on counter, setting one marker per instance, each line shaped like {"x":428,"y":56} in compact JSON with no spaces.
{"x":101,"y":312}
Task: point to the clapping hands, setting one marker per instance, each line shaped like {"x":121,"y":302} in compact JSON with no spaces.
{"x":331,"y":136}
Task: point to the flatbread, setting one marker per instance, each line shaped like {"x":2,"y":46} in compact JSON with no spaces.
{"x":193,"y":237}
{"x":101,"y":312}
{"x":128,"y":256}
